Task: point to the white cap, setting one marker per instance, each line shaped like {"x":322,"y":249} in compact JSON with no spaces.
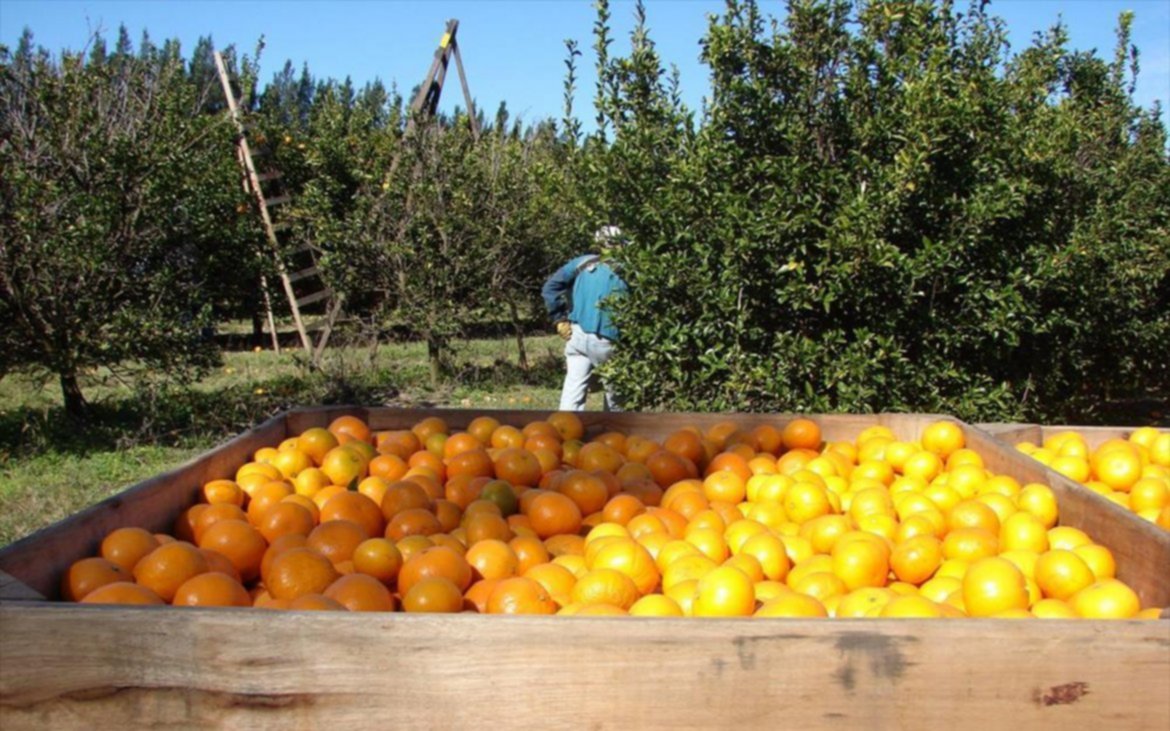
{"x":608,"y":235}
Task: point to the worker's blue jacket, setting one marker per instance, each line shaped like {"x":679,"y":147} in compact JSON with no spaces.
{"x":576,"y":292}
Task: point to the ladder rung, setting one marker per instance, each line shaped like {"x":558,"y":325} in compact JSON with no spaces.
{"x":280,"y":226}
{"x":270,"y":175}
{"x":277,"y":201}
{"x":304,"y":248}
{"x":304,"y":274}
{"x":315,"y":297}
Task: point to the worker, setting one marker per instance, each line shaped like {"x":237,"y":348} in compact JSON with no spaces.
{"x":576,"y":296}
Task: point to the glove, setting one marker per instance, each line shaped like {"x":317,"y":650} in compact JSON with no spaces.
{"x":564,"y":329}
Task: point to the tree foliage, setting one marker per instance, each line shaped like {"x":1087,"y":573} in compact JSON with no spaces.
{"x":884,"y":209}
{"x":117,"y":211}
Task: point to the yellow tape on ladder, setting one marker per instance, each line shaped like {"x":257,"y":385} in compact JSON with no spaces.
{"x":444,"y":40}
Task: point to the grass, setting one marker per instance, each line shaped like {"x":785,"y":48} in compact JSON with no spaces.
{"x":52,"y":467}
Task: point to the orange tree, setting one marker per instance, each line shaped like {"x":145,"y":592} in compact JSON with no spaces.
{"x":116,"y":188}
{"x":885,"y":209}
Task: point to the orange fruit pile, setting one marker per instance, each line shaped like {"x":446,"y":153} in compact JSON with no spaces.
{"x":1133,"y":472}
{"x":727,"y":522}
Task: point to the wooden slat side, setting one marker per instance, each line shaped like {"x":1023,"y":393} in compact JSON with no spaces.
{"x":1142,"y":550}
{"x":13,"y":589}
{"x":1013,"y":434}
{"x":233,"y":669}
{"x":39,"y":559}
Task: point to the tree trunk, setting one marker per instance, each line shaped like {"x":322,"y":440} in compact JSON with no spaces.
{"x":71,"y":391}
{"x":257,"y":331}
{"x":435,"y":359}
{"x":519,"y":328}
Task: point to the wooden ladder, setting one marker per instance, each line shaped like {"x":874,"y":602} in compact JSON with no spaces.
{"x":298,"y":267}
{"x":427,"y":98}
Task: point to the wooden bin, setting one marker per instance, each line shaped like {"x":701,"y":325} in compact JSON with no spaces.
{"x":68,"y":665}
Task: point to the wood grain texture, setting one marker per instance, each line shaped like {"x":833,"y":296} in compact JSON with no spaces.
{"x":39,"y":559}
{"x":234,"y":669}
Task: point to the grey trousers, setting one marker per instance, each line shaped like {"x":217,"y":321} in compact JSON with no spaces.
{"x":583,"y":353}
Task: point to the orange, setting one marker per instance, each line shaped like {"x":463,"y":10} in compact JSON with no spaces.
{"x":316,"y":442}
{"x":291,"y":462}
{"x":555,"y":578}
{"x":970,"y":544}
{"x":973,"y":514}
{"x":336,"y":540}
{"x":355,"y":507}
{"x":768,"y":549}
{"x":861,"y":563}
{"x":1108,"y":599}
{"x":1118,"y":468}
{"x":164,"y":569}
{"x":1023,"y":531}
{"x":379,"y":558}
{"x":911,"y":606}
{"x":725,"y":485}
{"x":405,"y":495}
{"x":88,"y":574}
{"x":212,"y":589}
{"x":284,"y":518}
{"x":277,"y":547}
{"x":223,"y":491}
{"x":413,"y":522}
{"x":588,"y":491}
{"x":216,"y":561}
{"x":656,"y":605}
{"x":342,"y":466}
{"x":1053,"y":609}
{"x":1039,"y":500}
{"x":792,"y":604}
{"x":993,"y":585}
{"x":126,"y":546}
{"x":1149,"y":493}
{"x":476,"y":596}
{"x":804,"y":501}
{"x":724,"y":592}
{"x":1099,"y":559}
{"x":243,"y":545}
{"x":567,"y":424}
{"x":801,"y":434}
{"x":434,"y":594}
{"x":492,"y":559}
{"x":352,"y":427}
{"x":436,"y":561}
{"x":518,"y":466}
{"x":519,"y":595}
{"x":916,"y":559}
{"x":1066,"y":537}
{"x":1062,"y":573}
{"x":943,"y":438}
{"x":605,"y":586}
{"x":554,"y":514}
{"x":122,"y":592}
{"x":313,"y":602}
{"x":214,"y":514}
{"x":632,"y":559}
{"x":361,"y":593}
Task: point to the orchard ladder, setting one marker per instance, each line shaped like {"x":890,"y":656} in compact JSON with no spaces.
{"x":304,"y":286}
{"x":427,"y":98}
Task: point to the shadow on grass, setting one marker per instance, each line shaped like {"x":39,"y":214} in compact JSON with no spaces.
{"x":175,"y":416}
{"x":545,"y":371}
{"x":178,"y":416}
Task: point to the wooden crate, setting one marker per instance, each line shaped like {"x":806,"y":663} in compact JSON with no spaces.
{"x":1094,"y":436}
{"x":88,"y":666}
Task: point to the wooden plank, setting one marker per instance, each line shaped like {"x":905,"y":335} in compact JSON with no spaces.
{"x":240,"y":668}
{"x":269,"y":175}
{"x":279,"y":200}
{"x":304,"y":274}
{"x":315,"y":297}
{"x":13,"y":589}
{"x":38,"y":560}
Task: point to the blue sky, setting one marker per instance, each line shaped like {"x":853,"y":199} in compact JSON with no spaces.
{"x":513,"y":50}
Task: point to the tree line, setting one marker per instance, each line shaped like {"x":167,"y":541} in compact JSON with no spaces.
{"x":879,"y":207}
